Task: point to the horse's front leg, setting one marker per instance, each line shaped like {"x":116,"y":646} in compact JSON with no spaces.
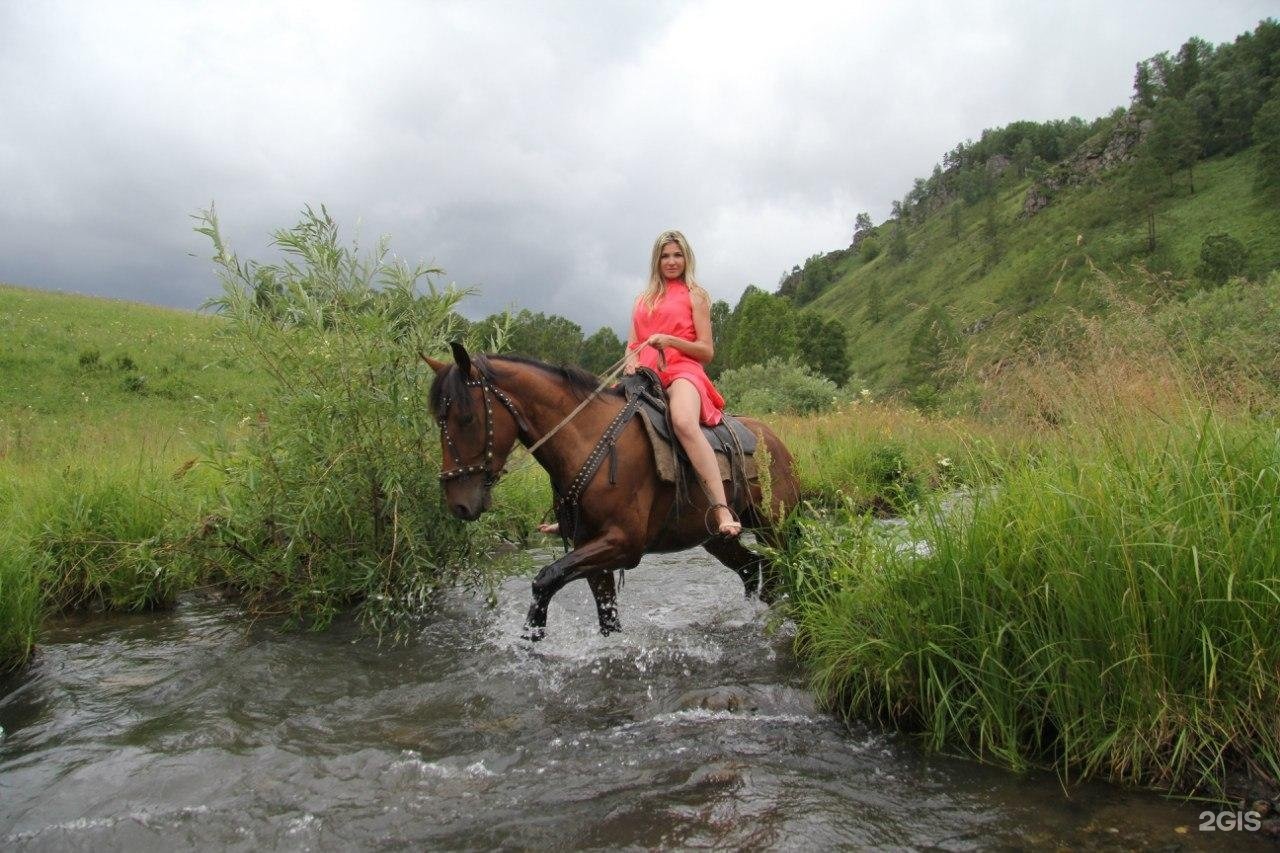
{"x":605,"y":552}
{"x":605,"y":593}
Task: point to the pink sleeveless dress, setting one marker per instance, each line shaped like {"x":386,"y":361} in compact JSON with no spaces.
{"x":674,"y":316}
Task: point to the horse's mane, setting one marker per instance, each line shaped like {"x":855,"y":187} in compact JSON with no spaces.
{"x":452,"y":385}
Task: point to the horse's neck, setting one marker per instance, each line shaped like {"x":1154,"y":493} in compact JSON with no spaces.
{"x":546,"y":402}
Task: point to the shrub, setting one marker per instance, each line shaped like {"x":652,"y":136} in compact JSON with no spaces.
{"x":892,"y":477}
{"x":870,"y":250}
{"x":331,"y":493}
{"x":778,"y":385}
{"x":134,"y":383}
{"x":1221,"y":257}
{"x":90,"y":359}
{"x":121,"y":361}
{"x":926,"y":397}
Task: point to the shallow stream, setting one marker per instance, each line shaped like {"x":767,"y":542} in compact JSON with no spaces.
{"x":195,"y":729}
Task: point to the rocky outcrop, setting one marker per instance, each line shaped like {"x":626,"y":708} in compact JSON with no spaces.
{"x":1099,"y":154}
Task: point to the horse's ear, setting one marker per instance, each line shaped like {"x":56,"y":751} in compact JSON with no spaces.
{"x":462,"y":357}
{"x":438,"y":366}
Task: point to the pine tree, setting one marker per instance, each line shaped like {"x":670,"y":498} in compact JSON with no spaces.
{"x":1144,"y":89}
{"x":934,"y":343}
{"x":875,"y":301}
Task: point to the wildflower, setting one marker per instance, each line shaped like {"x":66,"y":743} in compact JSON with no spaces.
{"x":865,"y":392}
{"x":944,"y":462}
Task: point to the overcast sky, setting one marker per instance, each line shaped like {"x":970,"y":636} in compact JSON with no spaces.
{"x":533,"y":150}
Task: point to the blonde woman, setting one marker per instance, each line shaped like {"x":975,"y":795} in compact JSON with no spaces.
{"x":671,"y":335}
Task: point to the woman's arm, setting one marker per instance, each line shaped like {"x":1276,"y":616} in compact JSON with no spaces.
{"x":633,"y":346}
{"x":701,"y":349}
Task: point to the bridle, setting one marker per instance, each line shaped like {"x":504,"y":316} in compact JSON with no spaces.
{"x":489,"y":391}
{"x":524,"y":430}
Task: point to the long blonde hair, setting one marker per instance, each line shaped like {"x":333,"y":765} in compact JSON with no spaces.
{"x":657,"y":284}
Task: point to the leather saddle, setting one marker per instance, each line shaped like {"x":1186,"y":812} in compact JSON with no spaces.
{"x":733,"y":443}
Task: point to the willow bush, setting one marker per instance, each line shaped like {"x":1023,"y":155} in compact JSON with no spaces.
{"x":331,"y":492}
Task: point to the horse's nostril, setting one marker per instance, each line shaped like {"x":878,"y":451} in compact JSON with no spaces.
{"x":460,"y":510}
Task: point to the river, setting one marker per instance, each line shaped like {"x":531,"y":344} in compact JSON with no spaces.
{"x":194,"y":728}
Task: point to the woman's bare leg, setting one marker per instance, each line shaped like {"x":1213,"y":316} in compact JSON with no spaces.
{"x":686,"y":409}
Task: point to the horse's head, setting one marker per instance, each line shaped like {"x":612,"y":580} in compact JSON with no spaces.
{"x":479,"y":424}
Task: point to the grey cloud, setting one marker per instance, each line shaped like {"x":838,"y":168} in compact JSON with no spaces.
{"x":530,"y":150}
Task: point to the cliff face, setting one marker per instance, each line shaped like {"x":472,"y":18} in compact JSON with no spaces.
{"x":1094,"y":157}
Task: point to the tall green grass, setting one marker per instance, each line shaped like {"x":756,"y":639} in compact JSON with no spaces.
{"x":20,"y":604}
{"x":1110,"y":609}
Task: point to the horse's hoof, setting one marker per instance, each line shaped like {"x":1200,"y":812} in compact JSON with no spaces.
{"x":533,"y":634}
{"x":610,"y":628}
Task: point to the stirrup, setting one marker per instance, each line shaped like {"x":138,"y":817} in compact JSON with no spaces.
{"x":718,"y":532}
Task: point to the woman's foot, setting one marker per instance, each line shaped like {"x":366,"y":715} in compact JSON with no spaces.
{"x":726,"y":523}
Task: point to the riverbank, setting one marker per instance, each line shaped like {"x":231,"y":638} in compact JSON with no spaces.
{"x":1113,"y":614}
{"x":1100,"y":597}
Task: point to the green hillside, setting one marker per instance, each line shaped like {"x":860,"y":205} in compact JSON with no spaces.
{"x":1014,"y":230}
{"x":1041,"y":271}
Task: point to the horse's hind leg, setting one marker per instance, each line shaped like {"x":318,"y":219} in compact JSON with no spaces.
{"x":755,"y":570}
{"x":606,"y":596}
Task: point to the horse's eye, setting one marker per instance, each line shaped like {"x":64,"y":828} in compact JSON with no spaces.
{"x":466,"y":420}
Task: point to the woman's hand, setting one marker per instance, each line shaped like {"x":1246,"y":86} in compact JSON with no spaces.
{"x":658,"y":340}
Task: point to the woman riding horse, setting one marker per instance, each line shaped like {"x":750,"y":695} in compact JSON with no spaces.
{"x":671,"y":335}
{"x":485,"y":404}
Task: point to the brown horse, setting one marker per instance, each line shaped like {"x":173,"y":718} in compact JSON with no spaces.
{"x":485,"y":404}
